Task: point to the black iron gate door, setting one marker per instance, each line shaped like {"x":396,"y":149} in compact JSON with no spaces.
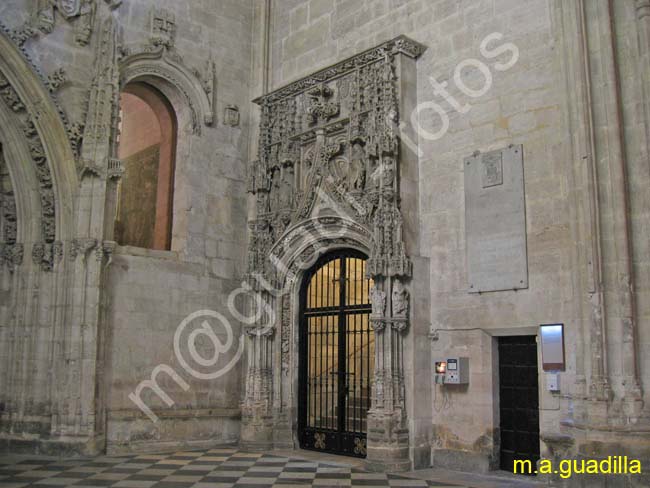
{"x":519,"y":400}
{"x":337,"y":351}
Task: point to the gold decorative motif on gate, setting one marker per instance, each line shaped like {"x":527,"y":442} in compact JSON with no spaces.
{"x":319,"y":440}
{"x":360,"y":446}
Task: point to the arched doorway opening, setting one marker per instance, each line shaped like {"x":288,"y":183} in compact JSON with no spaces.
{"x":336,"y":355}
{"x":147,"y":148}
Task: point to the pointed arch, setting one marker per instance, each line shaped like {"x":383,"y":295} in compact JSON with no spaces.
{"x":37,"y":127}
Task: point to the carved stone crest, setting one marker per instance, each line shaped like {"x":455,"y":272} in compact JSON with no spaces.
{"x":69,"y":8}
{"x":163,"y":27}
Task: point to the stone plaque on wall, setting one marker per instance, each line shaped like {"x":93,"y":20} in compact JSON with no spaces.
{"x":495,"y":221}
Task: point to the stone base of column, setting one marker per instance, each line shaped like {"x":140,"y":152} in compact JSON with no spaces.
{"x":388,"y":443}
{"x":256,"y":432}
{"x":282,"y":432}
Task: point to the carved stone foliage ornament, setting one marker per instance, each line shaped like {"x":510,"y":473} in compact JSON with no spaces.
{"x":11,"y":255}
{"x":11,"y":252}
{"x":38,"y":157}
{"x":56,"y":79}
{"x":329,"y":140}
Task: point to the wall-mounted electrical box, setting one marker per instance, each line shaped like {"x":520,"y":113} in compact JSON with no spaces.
{"x":553,"y":382}
{"x":440,"y":368}
{"x":452,"y":371}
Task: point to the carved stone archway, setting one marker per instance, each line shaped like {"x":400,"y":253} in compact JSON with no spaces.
{"x":48,"y":387}
{"x":332,"y":172}
{"x":160,"y":66}
{"x":34,"y":119}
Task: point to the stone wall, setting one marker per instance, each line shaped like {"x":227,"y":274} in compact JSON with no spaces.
{"x":83,"y":322}
{"x":144,"y":295}
{"x":527,"y":103}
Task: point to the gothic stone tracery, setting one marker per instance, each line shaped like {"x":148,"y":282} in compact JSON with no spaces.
{"x":328,"y":149}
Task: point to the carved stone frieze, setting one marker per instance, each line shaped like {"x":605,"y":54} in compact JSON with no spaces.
{"x":401,"y":44}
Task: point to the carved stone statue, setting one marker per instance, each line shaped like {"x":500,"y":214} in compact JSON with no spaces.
{"x":357,"y":176}
{"x":378,"y":301}
{"x":400,"y":300}
{"x":286,"y":188}
{"x":275,"y":189}
{"x":387,"y":171}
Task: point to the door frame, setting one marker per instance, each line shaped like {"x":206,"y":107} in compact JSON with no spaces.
{"x":301,"y":336}
{"x":514,"y":332}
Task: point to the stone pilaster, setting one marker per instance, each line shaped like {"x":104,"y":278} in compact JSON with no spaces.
{"x":257,"y":407}
{"x":388,"y":434}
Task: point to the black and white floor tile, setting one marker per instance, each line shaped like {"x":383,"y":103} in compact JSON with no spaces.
{"x":215,"y":468}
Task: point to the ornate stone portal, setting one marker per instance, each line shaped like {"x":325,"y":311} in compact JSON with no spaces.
{"x":331,"y":172}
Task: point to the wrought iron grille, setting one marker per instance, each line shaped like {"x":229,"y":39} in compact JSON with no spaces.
{"x":337,"y":351}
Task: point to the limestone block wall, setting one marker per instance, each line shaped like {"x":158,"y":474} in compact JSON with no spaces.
{"x":528,"y":101}
{"x":146,"y":294}
{"x":150,"y":293}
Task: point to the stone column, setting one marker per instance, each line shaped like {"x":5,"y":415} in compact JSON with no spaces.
{"x":257,"y":407}
{"x":388,"y":434}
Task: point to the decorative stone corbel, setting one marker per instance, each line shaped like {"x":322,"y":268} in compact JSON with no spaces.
{"x":89,"y":168}
{"x":108,"y":248}
{"x":115,"y":169}
{"x":82,"y":247}
{"x":231,"y":115}
{"x":47,"y":254}
{"x":11,"y":255}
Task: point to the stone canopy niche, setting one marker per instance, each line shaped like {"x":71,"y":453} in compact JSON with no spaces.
{"x":335,"y":169}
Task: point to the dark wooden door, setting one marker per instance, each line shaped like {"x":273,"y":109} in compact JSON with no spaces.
{"x":336,"y":355}
{"x":519,"y":400}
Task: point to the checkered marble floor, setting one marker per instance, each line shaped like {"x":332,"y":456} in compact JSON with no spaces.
{"x":215,"y":468}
